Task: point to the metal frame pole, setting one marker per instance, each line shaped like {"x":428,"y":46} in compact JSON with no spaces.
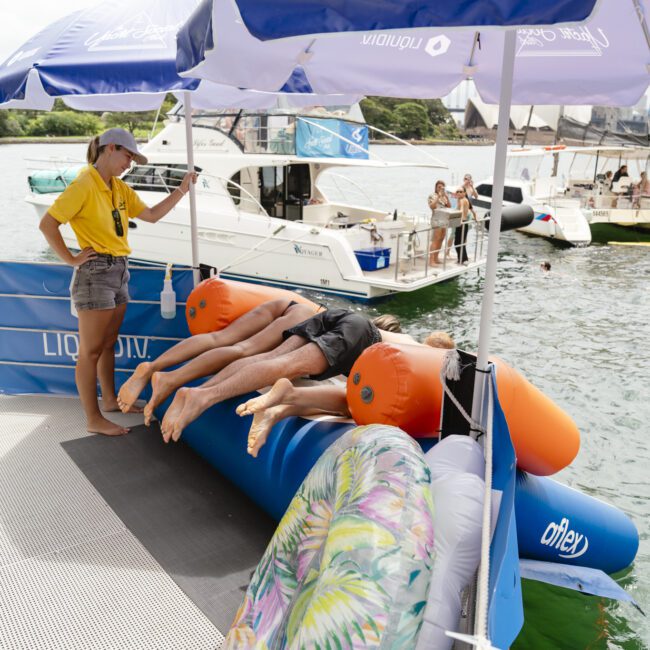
{"x":501,"y":150}
{"x":187,"y":104}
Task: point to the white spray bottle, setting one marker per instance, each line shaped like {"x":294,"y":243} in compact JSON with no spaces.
{"x":168,"y":296}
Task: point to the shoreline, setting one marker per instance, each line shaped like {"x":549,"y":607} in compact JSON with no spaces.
{"x":74,"y":139}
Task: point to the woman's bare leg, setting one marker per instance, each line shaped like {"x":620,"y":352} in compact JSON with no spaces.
{"x":306,"y":359}
{"x":106,"y":365}
{"x":165,"y":383}
{"x":265,"y":420}
{"x":244,"y":327}
{"x":95,"y":328}
{"x":285,"y":400}
{"x":436,"y":245}
{"x":323,"y":398}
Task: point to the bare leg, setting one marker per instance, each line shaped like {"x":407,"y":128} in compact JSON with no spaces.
{"x":321,"y":398}
{"x":244,"y":327}
{"x":450,"y":243}
{"x":106,"y":365}
{"x":164,"y":384}
{"x":279,"y":394}
{"x":285,"y":400}
{"x":307,"y":360}
{"x":95,"y":327}
{"x":264,"y":421}
{"x":436,"y":245}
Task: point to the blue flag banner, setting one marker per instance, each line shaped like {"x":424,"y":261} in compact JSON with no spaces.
{"x":328,"y":138}
{"x":505,"y":613}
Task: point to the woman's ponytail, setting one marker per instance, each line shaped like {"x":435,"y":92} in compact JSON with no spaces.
{"x":93,"y":151}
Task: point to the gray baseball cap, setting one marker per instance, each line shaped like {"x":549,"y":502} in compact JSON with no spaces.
{"x":124,"y":139}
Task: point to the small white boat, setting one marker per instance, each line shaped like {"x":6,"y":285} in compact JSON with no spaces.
{"x":557,"y":216}
{"x":264,"y":214}
{"x":619,"y":211}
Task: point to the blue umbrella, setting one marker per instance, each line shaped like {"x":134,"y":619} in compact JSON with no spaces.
{"x":120,"y":47}
{"x":121,"y":55}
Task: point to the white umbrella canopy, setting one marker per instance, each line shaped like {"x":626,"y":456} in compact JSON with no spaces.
{"x":604,"y":62}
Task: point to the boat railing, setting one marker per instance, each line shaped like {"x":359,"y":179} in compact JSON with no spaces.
{"x":413,"y":248}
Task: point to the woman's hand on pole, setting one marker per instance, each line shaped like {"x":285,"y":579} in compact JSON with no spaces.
{"x":190,"y":177}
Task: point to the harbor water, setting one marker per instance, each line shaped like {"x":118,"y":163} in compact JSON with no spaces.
{"x":578,"y":332}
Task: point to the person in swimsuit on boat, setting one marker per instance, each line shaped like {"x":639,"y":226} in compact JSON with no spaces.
{"x":98,"y":206}
{"x":323,"y":346}
{"x":285,"y":400}
{"x":439,"y":221}
{"x":258,"y":330}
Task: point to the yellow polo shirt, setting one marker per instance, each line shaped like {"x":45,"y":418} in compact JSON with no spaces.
{"x":88,"y":204}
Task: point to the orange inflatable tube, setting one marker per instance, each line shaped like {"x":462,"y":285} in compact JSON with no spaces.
{"x":215,"y":303}
{"x":400,"y":385}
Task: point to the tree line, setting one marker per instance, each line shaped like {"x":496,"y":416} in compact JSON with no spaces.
{"x":64,"y":121}
{"x":418,"y":119}
{"x":410,"y":119}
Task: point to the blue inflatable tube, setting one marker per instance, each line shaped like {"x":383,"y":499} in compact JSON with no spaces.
{"x":554,"y":522}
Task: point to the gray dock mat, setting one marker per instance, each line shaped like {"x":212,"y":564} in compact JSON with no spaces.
{"x":204,"y":532}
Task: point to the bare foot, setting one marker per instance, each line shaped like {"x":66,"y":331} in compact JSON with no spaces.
{"x":105,"y":427}
{"x":277,"y":395}
{"x":194,"y":403}
{"x":263,"y":422}
{"x":172,"y":413}
{"x":161,"y":389}
{"x":112,"y":406}
{"x":133,"y":386}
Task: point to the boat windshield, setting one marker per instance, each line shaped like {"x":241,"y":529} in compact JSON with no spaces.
{"x":272,"y":131}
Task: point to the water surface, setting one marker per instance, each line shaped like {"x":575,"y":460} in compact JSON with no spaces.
{"x":579,"y":333}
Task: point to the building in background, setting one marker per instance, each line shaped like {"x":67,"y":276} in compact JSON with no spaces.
{"x":546,"y":124}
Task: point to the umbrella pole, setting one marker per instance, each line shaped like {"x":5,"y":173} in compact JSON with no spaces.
{"x":187,"y":103}
{"x":501,"y":150}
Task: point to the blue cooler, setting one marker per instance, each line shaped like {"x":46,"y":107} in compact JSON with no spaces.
{"x":373,"y":259}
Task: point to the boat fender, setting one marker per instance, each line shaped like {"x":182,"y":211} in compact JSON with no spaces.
{"x":404,"y":381}
{"x":513,"y":217}
{"x":350,"y":562}
{"x":556,"y":523}
{"x":457,"y":488}
{"x":215,"y":303}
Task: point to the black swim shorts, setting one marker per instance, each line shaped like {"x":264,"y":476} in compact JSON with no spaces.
{"x":341,"y":335}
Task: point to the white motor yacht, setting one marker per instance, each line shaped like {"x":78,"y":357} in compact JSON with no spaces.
{"x":557,"y":216}
{"x":265,"y":216}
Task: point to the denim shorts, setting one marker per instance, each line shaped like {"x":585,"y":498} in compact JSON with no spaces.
{"x":101,"y":283}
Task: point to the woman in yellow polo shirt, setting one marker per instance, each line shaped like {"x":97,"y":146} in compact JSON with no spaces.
{"x":98,"y":206}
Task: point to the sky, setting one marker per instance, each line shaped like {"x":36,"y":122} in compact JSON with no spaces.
{"x":21,"y":19}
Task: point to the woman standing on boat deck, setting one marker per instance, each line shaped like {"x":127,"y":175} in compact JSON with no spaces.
{"x":439,"y":221}
{"x":98,"y":206}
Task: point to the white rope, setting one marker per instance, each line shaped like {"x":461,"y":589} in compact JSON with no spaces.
{"x":450,"y":370}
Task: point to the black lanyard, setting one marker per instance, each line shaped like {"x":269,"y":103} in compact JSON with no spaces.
{"x":117,"y":217}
